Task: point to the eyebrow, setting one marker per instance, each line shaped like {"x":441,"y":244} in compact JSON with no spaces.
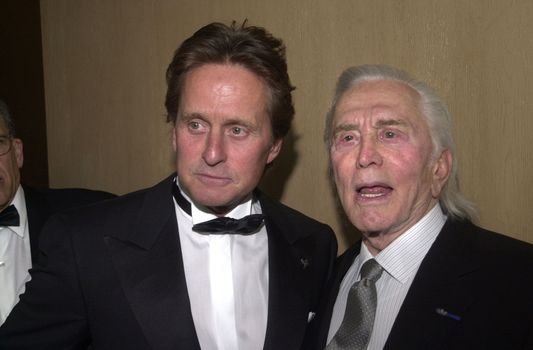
{"x":228,"y":122}
{"x":390,"y":122}
{"x":189,"y":116}
{"x":379,"y":124}
{"x":345,"y":127}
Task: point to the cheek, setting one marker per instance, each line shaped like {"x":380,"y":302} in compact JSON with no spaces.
{"x":250,"y":153}
{"x":342,"y":170}
{"x":248,"y":165}
{"x":186,"y":147}
{"x":343,"y":175}
{"x":413,"y":172}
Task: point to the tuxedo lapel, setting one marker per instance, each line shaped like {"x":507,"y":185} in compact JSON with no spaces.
{"x":149,"y":263}
{"x":446,"y":281}
{"x":37,"y":212}
{"x":286,"y":303}
{"x":288,"y":297}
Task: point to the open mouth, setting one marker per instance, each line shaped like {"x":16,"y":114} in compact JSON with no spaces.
{"x":374,"y":191}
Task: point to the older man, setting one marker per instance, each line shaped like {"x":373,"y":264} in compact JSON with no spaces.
{"x":203,"y":259}
{"x":423,"y":276}
{"x":23,"y":212}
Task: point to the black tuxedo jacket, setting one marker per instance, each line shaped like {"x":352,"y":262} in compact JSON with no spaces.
{"x":484,"y":278}
{"x":42,"y":203}
{"x":112,"y":274}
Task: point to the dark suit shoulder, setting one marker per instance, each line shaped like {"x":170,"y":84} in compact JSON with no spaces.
{"x":295,"y":226}
{"x":290,"y":215}
{"x":43,"y":203}
{"x":128,"y":217}
{"x":112,"y":209}
{"x":489,"y":245}
{"x":67,"y":198}
{"x":484,"y":278}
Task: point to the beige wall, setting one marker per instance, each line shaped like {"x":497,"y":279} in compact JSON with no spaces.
{"x":105,"y":61}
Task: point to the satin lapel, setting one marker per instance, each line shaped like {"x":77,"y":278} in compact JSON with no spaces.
{"x":446,"y":280}
{"x":288,"y":295}
{"x":150,"y":267}
{"x":37,"y":211}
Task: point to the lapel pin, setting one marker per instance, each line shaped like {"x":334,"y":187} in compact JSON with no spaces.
{"x":310,"y":316}
{"x":445,"y":313}
{"x":304,"y":262}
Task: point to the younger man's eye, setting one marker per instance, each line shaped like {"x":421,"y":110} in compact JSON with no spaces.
{"x":194,"y":125}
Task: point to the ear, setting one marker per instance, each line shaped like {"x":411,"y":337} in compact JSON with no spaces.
{"x":274,"y":150}
{"x":19,"y":155}
{"x":441,"y":172}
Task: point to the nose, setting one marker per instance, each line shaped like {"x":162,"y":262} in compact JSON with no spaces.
{"x":214,"y":151}
{"x":368,"y":153}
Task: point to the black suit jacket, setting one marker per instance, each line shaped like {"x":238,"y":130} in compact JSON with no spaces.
{"x":42,"y":203}
{"x":113,"y":274}
{"x":484,"y":278}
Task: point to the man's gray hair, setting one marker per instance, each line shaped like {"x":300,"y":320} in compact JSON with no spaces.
{"x":6,"y":117}
{"x":452,"y":201}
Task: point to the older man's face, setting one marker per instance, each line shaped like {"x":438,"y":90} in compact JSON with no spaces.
{"x":10,"y":163}
{"x":382,"y":161}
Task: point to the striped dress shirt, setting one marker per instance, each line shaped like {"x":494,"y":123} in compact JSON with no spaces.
{"x":400,"y":261}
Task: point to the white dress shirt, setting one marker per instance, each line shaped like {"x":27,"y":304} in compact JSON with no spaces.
{"x":227,"y":281}
{"x":15,"y":258}
{"x":400,"y":261}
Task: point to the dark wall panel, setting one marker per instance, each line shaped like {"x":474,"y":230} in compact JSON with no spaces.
{"x":21,"y":83}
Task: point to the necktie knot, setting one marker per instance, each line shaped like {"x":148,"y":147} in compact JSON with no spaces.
{"x":371,"y":270}
{"x":9,"y":216}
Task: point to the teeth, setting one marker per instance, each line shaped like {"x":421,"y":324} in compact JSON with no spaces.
{"x":371,"y":195}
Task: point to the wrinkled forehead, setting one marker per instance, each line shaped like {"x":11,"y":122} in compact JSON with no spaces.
{"x":379,"y":95}
{"x":380,"y":100}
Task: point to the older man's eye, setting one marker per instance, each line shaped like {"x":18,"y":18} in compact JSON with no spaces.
{"x":348,"y":138}
{"x":344,"y":140}
{"x":389,"y":134}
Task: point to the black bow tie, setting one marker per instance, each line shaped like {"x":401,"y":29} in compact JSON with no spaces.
{"x":245,"y":226}
{"x":9,"y":216}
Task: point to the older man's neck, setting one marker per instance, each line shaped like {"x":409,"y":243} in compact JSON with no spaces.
{"x":376,"y":242}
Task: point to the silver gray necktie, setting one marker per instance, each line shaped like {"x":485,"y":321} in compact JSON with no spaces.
{"x":354,"y":332}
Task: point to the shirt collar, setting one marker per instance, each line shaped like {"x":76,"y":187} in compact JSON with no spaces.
{"x":20,"y":203}
{"x":404,"y":255}
{"x":200,"y":214}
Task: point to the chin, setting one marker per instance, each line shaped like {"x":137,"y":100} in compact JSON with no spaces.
{"x":373,"y":231}
{"x":371,"y":226}
{"x":212,"y":202}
